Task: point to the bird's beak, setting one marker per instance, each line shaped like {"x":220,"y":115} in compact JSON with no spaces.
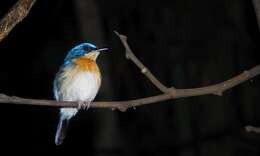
{"x":94,"y":54}
{"x":102,"y":49}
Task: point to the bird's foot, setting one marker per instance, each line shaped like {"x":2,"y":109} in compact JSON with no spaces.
{"x":84,"y":104}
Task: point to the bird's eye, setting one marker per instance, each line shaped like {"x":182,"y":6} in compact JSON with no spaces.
{"x":86,"y":49}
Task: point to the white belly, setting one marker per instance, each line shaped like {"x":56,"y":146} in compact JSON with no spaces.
{"x":81,"y":87}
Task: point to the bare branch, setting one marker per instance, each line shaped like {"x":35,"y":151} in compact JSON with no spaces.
{"x":252,"y":129}
{"x":130,"y":55}
{"x":256,"y":4}
{"x":120,"y":105}
{"x":216,"y":89}
{"x":15,"y":15}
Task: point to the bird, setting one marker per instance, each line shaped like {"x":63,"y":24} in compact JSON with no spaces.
{"x":78,"y":79}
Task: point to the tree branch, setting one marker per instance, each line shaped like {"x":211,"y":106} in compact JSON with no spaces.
{"x":252,"y":129}
{"x":15,"y":15}
{"x":130,"y":55}
{"x":170,"y":93}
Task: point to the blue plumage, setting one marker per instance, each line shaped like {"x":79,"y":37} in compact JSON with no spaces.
{"x":78,"y":51}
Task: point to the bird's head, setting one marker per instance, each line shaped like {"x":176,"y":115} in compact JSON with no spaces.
{"x":84,"y":49}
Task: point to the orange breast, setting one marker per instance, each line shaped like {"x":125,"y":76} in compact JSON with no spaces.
{"x":87,"y":64}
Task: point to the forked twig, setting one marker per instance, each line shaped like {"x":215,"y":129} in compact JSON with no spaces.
{"x":168,"y":93}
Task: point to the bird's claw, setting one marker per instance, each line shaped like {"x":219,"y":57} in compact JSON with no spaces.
{"x":84,"y":105}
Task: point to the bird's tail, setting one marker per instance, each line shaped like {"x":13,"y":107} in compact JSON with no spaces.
{"x":65,"y":115}
{"x":61,"y":130}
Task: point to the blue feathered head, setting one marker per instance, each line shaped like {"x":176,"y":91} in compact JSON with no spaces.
{"x":79,"y":50}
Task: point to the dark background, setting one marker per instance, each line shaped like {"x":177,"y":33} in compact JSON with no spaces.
{"x":185,"y":43}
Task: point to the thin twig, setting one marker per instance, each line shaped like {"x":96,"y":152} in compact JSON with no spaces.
{"x":256,"y":4}
{"x":130,"y":55}
{"x":15,"y":15}
{"x":216,"y":89}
